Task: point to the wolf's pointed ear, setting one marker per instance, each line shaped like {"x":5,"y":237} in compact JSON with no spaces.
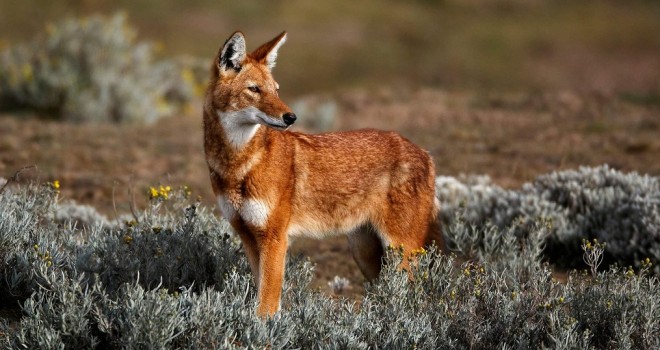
{"x":267,"y":53}
{"x":232,"y":54}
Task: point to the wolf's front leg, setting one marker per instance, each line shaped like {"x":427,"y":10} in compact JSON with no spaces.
{"x":272,"y":257}
{"x":250,"y":247}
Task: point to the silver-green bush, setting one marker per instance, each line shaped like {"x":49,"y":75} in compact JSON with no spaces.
{"x":174,"y":278}
{"x":590,"y":203}
{"x":92,"y":69}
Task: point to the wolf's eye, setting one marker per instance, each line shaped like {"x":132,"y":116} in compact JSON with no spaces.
{"x":254,"y":89}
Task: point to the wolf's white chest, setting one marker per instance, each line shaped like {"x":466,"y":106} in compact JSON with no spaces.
{"x":253,"y":211}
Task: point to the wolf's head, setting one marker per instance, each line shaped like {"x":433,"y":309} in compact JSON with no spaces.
{"x":243,"y":91}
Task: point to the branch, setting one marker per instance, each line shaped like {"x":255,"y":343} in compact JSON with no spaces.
{"x":14,"y":177}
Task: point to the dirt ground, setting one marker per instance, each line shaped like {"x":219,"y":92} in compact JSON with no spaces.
{"x":510,"y":137}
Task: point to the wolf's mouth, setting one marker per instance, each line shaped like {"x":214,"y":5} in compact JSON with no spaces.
{"x":277,"y":127}
{"x":273,"y":123}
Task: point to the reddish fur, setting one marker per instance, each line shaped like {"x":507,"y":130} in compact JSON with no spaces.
{"x":324,"y":182}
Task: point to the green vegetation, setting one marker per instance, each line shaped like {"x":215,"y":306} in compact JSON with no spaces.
{"x":93,"y":70}
{"x":586,"y":204}
{"x":172,"y":277}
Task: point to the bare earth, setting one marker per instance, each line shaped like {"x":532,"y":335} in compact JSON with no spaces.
{"x":511,"y":137}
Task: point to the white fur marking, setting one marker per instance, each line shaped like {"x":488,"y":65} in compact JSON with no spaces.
{"x":237,"y":42}
{"x":226,"y":208}
{"x":240,"y":126}
{"x":255,"y":212}
{"x":272,"y":55}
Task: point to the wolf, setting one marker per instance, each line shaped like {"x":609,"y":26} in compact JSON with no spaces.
{"x":273,"y":185}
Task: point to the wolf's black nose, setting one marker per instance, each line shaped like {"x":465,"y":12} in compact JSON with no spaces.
{"x":289,"y":118}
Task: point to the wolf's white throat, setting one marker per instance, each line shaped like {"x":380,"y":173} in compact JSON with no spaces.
{"x":240,"y":126}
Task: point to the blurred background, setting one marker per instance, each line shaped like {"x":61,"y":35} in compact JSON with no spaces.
{"x":105,"y":96}
{"x":608,"y":46}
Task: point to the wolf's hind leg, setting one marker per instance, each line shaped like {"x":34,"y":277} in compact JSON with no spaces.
{"x":367,"y":250}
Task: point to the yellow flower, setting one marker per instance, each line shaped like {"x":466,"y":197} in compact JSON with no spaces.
{"x":417,"y":252}
{"x":646,"y":263}
{"x":56,"y":184}
{"x":160,"y":192}
{"x":561,"y":300}
{"x":630,"y":272}
{"x":153,"y":193}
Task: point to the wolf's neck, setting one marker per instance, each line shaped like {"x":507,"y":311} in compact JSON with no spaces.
{"x":232,"y":150}
{"x":238,"y":133}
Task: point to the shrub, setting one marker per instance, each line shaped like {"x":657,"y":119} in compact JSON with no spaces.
{"x":79,"y":214}
{"x":608,"y":205}
{"x":590,"y":203}
{"x":92,"y":69}
{"x":28,"y":238}
{"x":122,"y":286}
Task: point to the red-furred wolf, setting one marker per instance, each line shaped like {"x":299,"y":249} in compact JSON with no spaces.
{"x":272,"y":184}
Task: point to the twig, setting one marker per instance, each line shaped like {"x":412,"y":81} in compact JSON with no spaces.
{"x":14,"y":177}
{"x":131,"y":202}
{"x":114,"y":205}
